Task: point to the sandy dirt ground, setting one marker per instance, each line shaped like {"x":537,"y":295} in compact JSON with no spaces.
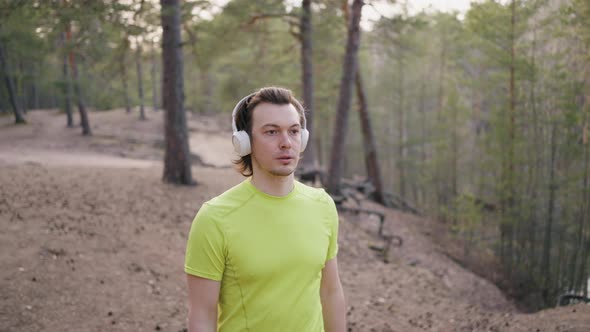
{"x":92,"y":240}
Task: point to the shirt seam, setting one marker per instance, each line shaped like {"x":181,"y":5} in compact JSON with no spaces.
{"x":223,"y":215}
{"x":317,"y":199}
{"x":243,"y":305}
{"x":202,"y":274}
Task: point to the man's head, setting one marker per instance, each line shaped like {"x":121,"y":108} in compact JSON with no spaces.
{"x":274,"y":121}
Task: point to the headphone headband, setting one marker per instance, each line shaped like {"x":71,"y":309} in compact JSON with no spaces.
{"x":241,"y":103}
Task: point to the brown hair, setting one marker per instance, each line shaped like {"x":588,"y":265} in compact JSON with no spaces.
{"x":272,"y":95}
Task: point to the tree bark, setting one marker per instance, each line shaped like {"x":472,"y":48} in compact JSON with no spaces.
{"x":508,"y":185}
{"x":439,"y":183}
{"x":579,"y":239}
{"x":441,"y":75}
{"x":20,"y":87}
{"x":454,"y":154}
{"x":124,"y":75}
{"x":580,"y":278}
{"x":370,"y":148}
{"x":154,"y":79}
{"x":67,"y":86}
{"x":177,"y":167}
{"x":34,"y":89}
{"x":305,"y":26}
{"x":84,"y":122}
{"x":343,"y":110}
{"x":140,"y":83}
{"x":547,"y":243}
{"x":537,"y":162}
{"x":421,"y":108}
{"x":401,"y":157}
{"x":18,"y":114}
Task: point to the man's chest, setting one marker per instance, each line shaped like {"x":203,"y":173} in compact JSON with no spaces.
{"x":271,"y":245}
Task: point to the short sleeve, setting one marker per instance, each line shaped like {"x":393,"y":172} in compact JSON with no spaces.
{"x":205,"y":249}
{"x":333,"y":222}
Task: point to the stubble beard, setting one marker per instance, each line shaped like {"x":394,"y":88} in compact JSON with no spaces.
{"x":282,"y":172}
{"x":286,"y":170}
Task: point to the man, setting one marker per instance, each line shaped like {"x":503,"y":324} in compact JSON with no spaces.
{"x":261,"y":257}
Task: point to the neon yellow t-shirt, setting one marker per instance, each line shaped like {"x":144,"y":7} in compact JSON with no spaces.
{"x":268,"y":252}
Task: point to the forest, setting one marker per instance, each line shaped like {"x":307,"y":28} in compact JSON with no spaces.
{"x":479,"y":120}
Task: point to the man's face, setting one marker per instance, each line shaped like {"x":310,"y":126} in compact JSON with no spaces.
{"x":276,"y":139}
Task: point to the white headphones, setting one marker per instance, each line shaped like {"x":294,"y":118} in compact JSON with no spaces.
{"x":241,"y":140}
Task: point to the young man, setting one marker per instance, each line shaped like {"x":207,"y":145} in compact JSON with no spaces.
{"x":261,"y":257}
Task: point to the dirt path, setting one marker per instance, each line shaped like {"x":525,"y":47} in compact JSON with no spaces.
{"x":92,"y":240}
{"x":57,"y":158}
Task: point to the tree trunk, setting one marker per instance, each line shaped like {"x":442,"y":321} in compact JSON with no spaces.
{"x":79,"y":98}
{"x":579,"y":242}
{"x":547,"y":243}
{"x":537,"y":162}
{"x":439,"y":178}
{"x":67,"y":86}
{"x":140,"y":83}
{"x":348,"y":73}
{"x":34,"y":89}
{"x":177,"y":166}
{"x":584,"y":273}
{"x":421,"y":108}
{"x":512,"y":137}
{"x":370,"y":148}
{"x":454,"y":152}
{"x":125,"y":78}
{"x":581,"y":275}
{"x":309,"y":155}
{"x":18,"y":114}
{"x":441,"y":75}
{"x":508,"y":176}
{"x":401,"y":158}
{"x":154,"y":79}
{"x":21,"y":87}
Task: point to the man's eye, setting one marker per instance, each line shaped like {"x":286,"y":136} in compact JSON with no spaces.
{"x":295,"y":131}
{"x":271,"y":132}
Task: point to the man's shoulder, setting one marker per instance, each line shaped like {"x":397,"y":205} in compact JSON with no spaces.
{"x":315,"y":194}
{"x":228,"y":201}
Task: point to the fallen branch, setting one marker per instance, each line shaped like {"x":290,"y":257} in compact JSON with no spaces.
{"x":567,"y":299}
{"x":383,"y":251}
{"x":396,"y":202}
{"x":388,"y":240}
{"x":358,"y":211}
{"x":357,"y":189}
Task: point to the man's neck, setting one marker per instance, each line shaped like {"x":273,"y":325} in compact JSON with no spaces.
{"x":273,"y":185}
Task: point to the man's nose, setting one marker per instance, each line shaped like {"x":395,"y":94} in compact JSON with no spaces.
{"x":285,"y":141}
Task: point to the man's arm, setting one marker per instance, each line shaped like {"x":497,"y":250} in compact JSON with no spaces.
{"x":203,"y":295}
{"x":332,"y":297}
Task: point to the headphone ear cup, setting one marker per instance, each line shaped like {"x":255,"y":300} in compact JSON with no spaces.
{"x":304,"y":139}
{"x":241,"y":142}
